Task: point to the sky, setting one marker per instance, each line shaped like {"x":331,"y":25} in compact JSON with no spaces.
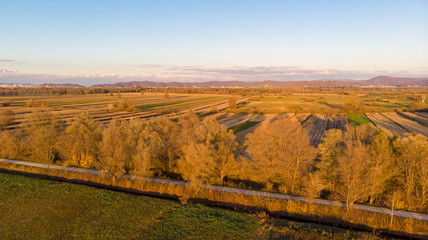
{"x":89,"y":42}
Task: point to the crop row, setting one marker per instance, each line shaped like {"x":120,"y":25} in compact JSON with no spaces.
{"x":409,"y":125}
{"x":388,"y":126}
{"x":318,"y":130}
{"x":415,"y":117}
{"x":337,"y":122}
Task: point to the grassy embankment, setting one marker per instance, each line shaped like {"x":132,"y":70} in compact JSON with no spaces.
{"x":55,"y":210}
{"x":330,"y":215}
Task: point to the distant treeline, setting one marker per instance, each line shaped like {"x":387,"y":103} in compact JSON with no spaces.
{"x":357,"y":165}
{"x":22,"y":91}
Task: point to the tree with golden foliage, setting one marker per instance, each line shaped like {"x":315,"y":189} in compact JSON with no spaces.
{"x":354,"y":164}
{"x":167,"y":133}
{"x":197,"y":164}
{"x":352,"y":172}
{"x":223,"y":144}
{"x":218,"y":146}
{"x":6,"y":118}
{"x":380,"y":169}
{"x":328,"y":152}
{"x":411,"y":163}
{"x":42,"y":132}
{"x":281,"y":153}
{"x":115,"y":152}
{"x":147,"y":144}
{"x":79,"y":146}
{"x":11,"y":146}
{"x":232,"y":103}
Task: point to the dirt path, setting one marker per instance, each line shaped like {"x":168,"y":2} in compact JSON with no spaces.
{"x":418,"y":216}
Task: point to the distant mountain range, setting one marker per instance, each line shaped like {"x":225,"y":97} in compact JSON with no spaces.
{"x":381,"y":81}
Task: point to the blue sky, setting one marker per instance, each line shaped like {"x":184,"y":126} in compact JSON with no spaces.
{"x":107,"y":41}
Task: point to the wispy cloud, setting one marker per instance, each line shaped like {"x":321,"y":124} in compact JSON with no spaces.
{"x":244,"y":73}
{"x":8,"y":61}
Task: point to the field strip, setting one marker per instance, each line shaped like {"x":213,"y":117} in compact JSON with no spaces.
{"x":423,"y":114}
{"x":299,"y":117}
{"x":220,"y":106}
{"x":410,"y":125}
{"x":398,"y":213}
{"x":186,"y":106}
{"x":385,"y":124}
{"x":235,"y":120}
{"x":264,"y":119}
{"x":415,"y":117}
{"x":337,"y":121}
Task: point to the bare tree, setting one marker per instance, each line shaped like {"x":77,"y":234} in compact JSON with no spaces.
{"x":313,"y":185}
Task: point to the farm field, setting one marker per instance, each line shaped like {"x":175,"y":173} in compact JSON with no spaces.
{"x":315,"y":126}
{"x":388,"y":126}
{"x":326,"y":103}
{"x":102,"y":107}
{"x":415,"y":117}
{"x":409,"y":125}
{"x":56,"y":210}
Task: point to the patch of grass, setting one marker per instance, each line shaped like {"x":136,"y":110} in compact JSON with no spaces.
{"x":12,"y":186}
{"x":201,"y":222}
{"x":242,"y":126}
{"x":358,"y":119}
{"x":172,"y":103}
{"x":283,"y":229}
{"x":50,"y":210}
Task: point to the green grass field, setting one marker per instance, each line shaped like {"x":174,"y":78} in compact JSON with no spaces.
{"x":42,"y":209}
{"x":358,"y":119}
{"x":242,"y":126}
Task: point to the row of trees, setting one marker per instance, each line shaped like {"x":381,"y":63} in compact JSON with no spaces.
{"x":285,"y":91}
{"x":359,"y":165}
